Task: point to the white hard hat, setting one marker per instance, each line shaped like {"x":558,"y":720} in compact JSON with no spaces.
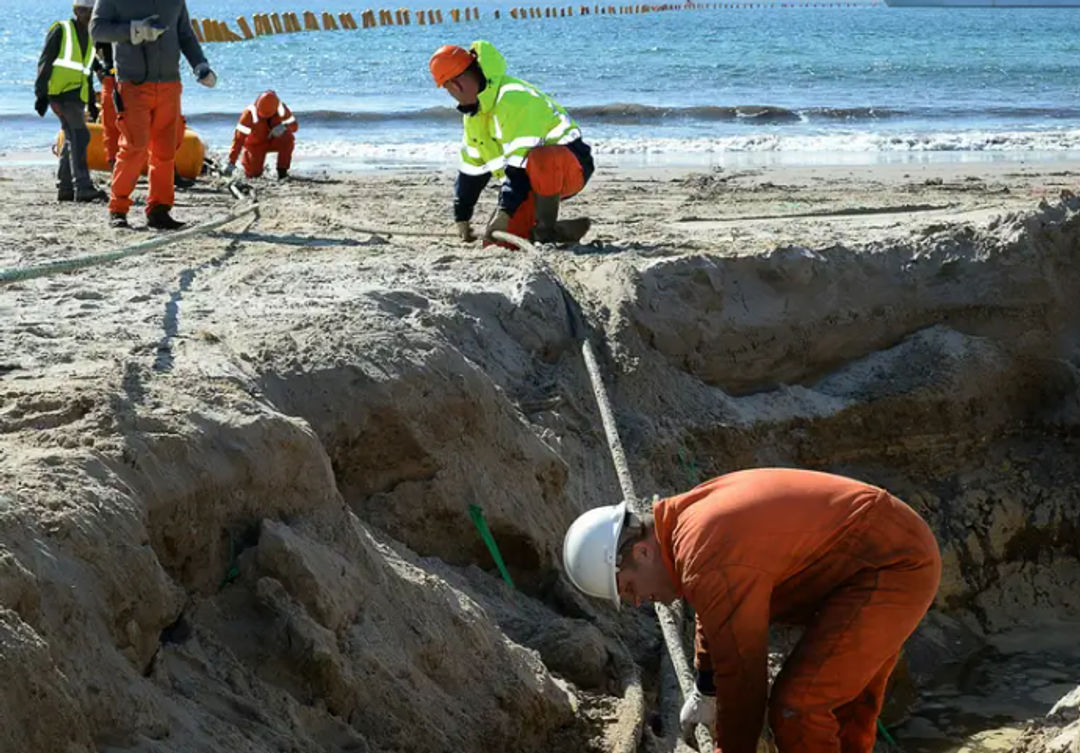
{"x":590,"y":548}
{"x":84,"y":4}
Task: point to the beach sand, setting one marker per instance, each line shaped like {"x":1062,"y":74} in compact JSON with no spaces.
{"x":233,"y":471}
{"x":326,"y":219}
{"x":649,"y":210}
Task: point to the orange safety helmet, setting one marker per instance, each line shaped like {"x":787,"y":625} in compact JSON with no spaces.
{"x":267,"y":104}
{"x":449,"y":61}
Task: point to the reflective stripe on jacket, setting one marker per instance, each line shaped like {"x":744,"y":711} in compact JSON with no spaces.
{"x":513,"y":117}
{"x":252,"y":128}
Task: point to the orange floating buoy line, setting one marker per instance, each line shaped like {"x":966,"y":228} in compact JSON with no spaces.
{"x":269,"y":24}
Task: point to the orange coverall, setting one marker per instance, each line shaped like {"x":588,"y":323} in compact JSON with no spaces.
{"x":852,"y":563}
{"x":147,"y":125}
{"x":551,"y":170}
{"x":108,"y":118}
{"x":253,"y":136}
{"x":110,"y":129}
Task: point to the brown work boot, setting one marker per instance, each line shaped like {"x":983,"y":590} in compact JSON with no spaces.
{"x":572,"y":231}
{"x":549,"y":229}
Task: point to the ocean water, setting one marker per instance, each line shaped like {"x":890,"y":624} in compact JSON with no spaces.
{"x":805,"y":85}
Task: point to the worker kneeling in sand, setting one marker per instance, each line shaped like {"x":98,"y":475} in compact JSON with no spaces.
{"x":852,"y":563}
{"x":519,"y":134}
{"x":266,"y":126}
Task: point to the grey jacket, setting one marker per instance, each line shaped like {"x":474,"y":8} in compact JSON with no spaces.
{"x":150,"y":61}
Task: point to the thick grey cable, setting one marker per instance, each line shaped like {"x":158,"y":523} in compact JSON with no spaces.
{"x":17,"y":274}
{"x":668,"y":617}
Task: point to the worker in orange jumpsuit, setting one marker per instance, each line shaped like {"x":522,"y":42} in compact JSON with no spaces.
{"x":853,"y":564}
{"x":106,"y":73}
{"x":147,"y":44}
{"x":266,"y":126}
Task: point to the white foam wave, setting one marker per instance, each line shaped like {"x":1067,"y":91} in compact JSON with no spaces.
{"x":855,"y":141}
{"x":831,"y":143}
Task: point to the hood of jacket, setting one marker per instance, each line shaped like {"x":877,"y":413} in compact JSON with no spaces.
{"x":493,"y":65}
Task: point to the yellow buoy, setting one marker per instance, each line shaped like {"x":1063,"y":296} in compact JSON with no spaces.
{"x":189,"y":157}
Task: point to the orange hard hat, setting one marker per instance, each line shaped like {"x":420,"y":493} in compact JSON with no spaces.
{"x":448,"y":62}
{"x":267,"y":103}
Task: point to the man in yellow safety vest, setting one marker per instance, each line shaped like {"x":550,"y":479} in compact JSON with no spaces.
{"x":65,"y":86}
{"x":519,"y":135}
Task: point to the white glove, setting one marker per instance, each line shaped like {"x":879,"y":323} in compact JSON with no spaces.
{"x":229,"y":169}
{"x":205,"y":75}
{"x":277,"y":130}
{"x":146,"y":30}
{"x":698,"y":709}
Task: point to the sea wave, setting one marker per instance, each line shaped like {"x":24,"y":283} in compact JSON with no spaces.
{"x":444,"y":152}
{"x":634,"y":113}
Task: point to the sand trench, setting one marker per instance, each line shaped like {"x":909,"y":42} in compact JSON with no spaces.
{"x":233,"y":481}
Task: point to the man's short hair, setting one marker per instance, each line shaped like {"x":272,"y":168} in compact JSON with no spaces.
{"x":635,"y":528}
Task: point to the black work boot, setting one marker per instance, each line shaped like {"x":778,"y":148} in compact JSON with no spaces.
{"x":282,"y":173}
{"x":179,"y":181}
{"x":118,"y":220}
{"x":65,"y":194}
{"x":548,"y":227}
{"x":94,"y":194}
{"x":159,"y":218}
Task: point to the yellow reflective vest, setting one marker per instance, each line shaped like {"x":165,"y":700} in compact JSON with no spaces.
{"x":513,"y":117}
{"x":71,"y":69}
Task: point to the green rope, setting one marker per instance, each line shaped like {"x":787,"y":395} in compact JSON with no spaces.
{"x":885,"y":733}
{"x":477,"y":516}
{"x":233,"y":570}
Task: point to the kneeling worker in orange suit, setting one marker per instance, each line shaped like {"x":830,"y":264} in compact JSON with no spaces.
{"x":852,"y":563}
{"x":266,"y":126}
{"x":521,"y":136}
{"x":147,"y":51}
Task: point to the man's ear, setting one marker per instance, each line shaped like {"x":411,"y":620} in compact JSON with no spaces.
{"x":642,"y":551}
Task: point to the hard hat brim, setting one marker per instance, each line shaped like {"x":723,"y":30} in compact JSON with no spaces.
{"x":592,"y":544}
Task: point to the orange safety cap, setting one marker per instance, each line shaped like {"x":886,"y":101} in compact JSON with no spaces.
{"x":267,"y":104}
{"x":449,"y":61}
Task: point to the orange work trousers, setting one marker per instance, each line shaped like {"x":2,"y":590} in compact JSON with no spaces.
{"x":254,"y":159}
{"x":829,"y":694}
{"x":108,"y":119}
{"x":551,"y":170}
{"x":147,"y":125}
